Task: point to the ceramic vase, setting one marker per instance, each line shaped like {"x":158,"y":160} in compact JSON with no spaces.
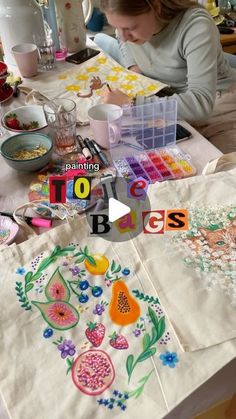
{"x":20,"y":22}
{"x":71,"y":26}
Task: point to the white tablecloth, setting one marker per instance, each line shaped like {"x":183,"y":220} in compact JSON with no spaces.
{"x":13,"y":192}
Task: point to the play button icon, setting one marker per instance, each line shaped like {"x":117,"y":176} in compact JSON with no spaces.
{"x":117,"y":210}
{"x":121,"y":217}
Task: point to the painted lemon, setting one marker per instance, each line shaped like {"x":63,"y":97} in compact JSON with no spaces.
{"x":102,"y":264}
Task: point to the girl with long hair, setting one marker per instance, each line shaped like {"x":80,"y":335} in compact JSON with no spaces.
{"x":177,"y":43}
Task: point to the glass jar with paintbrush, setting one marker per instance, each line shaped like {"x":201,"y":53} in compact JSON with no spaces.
{"x":61,"y":118}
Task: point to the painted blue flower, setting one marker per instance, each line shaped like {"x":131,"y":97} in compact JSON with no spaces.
{"x":169,"y":359}
{"x":115,"y":392}
{"x":20,"y":270}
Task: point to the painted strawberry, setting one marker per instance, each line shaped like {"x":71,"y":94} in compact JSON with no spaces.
{"x":95,"y":333}
{"x":118,"y":341}
{"x":12,"y":121}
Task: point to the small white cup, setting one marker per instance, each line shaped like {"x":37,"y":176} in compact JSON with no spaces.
{"x":105,"y":122}
{"x":26,"y":56}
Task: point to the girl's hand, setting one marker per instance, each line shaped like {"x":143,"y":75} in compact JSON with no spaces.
{"x":135,"y":68}
{"x":116,"y":97}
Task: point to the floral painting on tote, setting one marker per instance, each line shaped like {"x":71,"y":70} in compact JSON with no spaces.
{"x":209,"y":247}
{"x":90,"y":313}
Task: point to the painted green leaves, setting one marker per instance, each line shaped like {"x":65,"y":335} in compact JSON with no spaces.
{"x":149,"y":340}
{"x":22,"y":296}
{"x":57,"y":288}
{"x":83,"y":254}
{"x":60,"y":315}
{"x":146,"y":298}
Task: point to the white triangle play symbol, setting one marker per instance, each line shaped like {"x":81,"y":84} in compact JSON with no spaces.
{"x":117,"y":210}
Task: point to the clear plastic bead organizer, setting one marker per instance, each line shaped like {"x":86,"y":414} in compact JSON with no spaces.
{"x":143,"y":142}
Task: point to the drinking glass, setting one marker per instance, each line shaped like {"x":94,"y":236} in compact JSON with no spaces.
{"x":61,"y":118}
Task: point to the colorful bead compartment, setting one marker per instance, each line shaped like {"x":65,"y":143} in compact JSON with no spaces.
{"x":156,"y":165}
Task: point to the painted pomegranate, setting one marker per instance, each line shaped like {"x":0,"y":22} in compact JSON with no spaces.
{"x":93,"y":372}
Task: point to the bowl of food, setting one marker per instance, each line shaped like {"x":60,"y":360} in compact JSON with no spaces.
{"x":25,"y":119}
{"x":3,"y":73}
{"x":27,"y":152}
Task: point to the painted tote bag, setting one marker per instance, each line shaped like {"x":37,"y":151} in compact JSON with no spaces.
{"x":195,"y":270}
{"x":83,"y":334}
{"x":84,"y":83}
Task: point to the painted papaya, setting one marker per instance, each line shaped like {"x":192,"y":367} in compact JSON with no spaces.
{"x":123,"y":308}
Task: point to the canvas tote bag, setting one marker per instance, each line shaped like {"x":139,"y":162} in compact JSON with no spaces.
{"x":72,"y":330}
{"x":83,"y":334}
{"x":195,"y":270}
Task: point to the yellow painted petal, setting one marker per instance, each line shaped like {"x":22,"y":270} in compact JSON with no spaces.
{"x":81,"y":77}
{"x":102,"y":60}
{"x":131,"y":77}
{"x":62,"y":76}
{"x":127,"y":86}
{"x":92,"y":69}
{"x":141,"y":92}
{"x":117,"y":69}
{"x":72,"y":88}
{"x":152,"y":87}
{"x":112,"y":78}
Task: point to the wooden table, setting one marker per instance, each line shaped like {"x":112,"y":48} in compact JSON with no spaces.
{"x":228,"y":43}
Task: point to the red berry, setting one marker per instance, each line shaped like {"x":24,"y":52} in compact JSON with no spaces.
{"x":12,"y":121}
{"x":95,"y":333}
{"x":118,"y":341}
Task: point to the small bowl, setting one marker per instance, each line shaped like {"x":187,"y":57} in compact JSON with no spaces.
{"x":26,"y":141}
{"x":26,"y":114}
{"x":8,"y":230}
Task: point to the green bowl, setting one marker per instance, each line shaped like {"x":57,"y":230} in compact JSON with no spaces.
{"x":26,"y":141}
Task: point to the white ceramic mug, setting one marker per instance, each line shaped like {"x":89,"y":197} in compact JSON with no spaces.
{"x":105,"y":122}
{"x":26,"y":56}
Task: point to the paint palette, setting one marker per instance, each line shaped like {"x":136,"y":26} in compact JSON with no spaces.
{"x":156,"y":165}
{"x":147,"y":146}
